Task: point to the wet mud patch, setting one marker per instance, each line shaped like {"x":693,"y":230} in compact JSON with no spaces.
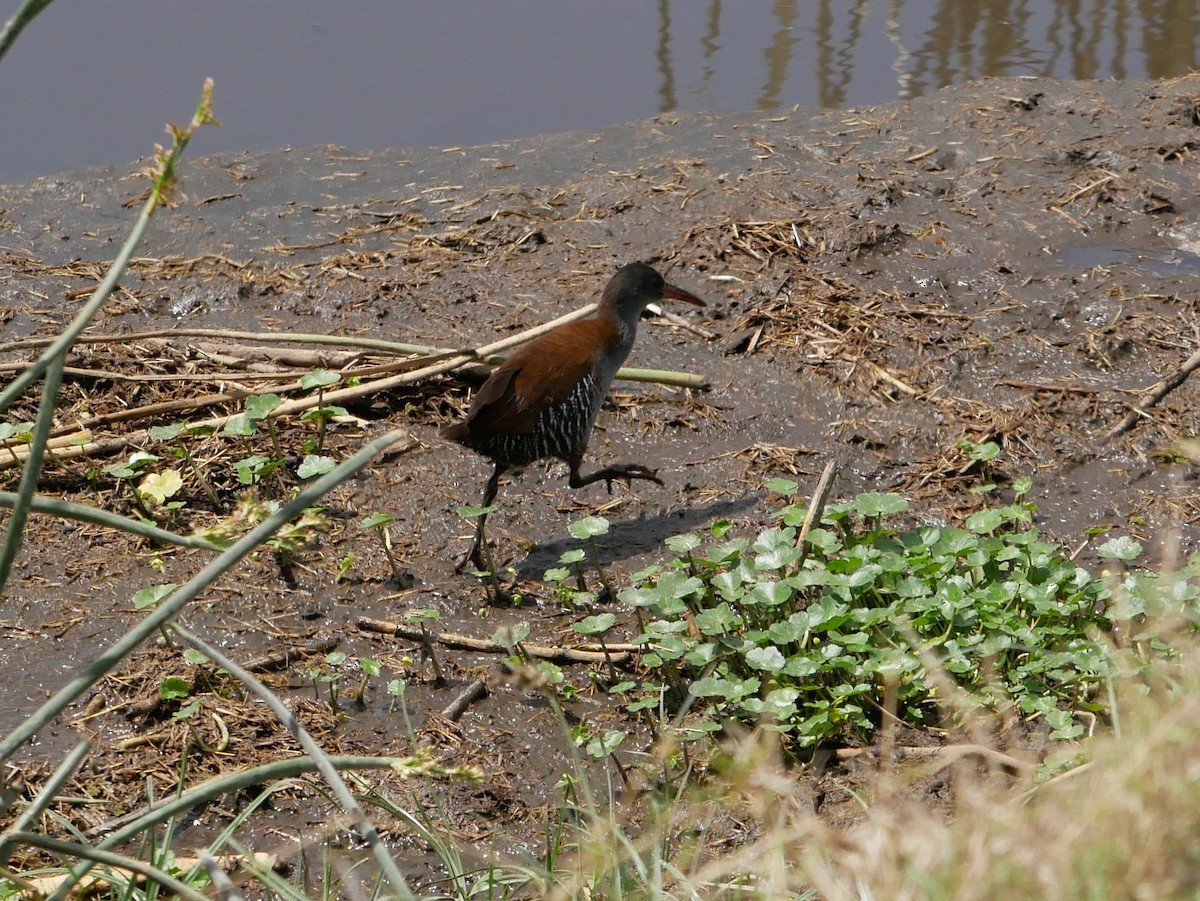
{"x":1004,"y":261}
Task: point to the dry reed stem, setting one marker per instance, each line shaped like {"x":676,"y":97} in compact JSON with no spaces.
{"x":618,"y":653}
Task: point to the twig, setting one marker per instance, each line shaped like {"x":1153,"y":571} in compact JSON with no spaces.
{"x":487,"y":646}
{"x":1075,"y":195}
{"x":892,"y":380}
{"x":688,"y":326}
{"x":459,"y":705}
{"x":1042,"y":386}
{"x":278,"y":660}
{"x":1160,"y":390}
{"x":816,"y":507}
{"x":230,"y":334}
{"x":66,"y":446}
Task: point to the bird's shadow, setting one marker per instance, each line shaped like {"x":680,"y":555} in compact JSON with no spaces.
{"x":630,"y":537}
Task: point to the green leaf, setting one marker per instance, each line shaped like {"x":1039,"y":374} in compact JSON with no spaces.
{"x":319,"y":378}
{"x":1120,"y":548}
{"x":786,"y":487}
{"x":767,"y":658}
{"x":250,"y":469}
{"x":376,"y":520}
{"x":470,"y":511}
{"x":718,"y":620}
{"x":575,"y":555}
{"x":130,"y":467}
{"x":158,"y":486}
{"x":872,"y":503}
{"x":260,"y":406}
{"x":981,"y":453}
{"x":187,"y":711}
{"x":985,"y":521}
{"x":239,"y":425}
{"x":511,"y":636}
{"x":683,"y":544}
{"x":166,"y":432}
{"x":603,"y":746}
{"x":150,"y":596}
{"x":174,"y":687}
{"x":370,"y":666}
{"x":1063,"y":725}
{"x":335,"y":658}
{"x":770,"y":593}
{"x":719,"y":528}
{"x":21,"y":431}
{"x":823,"y":540}
{"x":313,"y":465}
{"x":595,"y":625}
{"x":589,"y":527}
{"x":776,"y":549}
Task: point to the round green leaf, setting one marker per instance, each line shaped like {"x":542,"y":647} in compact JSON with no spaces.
{"x":589,"y":527}
{"x":595,"y":625}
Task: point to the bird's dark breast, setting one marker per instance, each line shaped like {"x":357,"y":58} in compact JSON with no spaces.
{"x":560,"y":431}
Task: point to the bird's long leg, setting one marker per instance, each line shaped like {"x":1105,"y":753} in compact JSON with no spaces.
{"x":477,"y":555}
{"x":626,"y":472}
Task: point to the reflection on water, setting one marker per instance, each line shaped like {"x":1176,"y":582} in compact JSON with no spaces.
{"x":839,"y":47}
{"x":376,"y":73}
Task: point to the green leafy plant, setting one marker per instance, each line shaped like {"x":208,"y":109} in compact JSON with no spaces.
{"x":378,"y":523}
{"x":370,"y":668}
{"x":127,"y":471}
{"x":980,"y":455}
{"x":321,"y":414}
{"x":804,"y":639}
{"x":422,"y":618}
{"x":345,"y":565}
{"x":571,"y":598}
{"x":13,"y":433}
{"x":175,"y":432}
{"x":588,"y":530}
{"x":329,"y":673}
{"x":258,"y":408}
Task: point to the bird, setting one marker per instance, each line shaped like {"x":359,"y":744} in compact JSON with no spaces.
{"x":544,"y":399}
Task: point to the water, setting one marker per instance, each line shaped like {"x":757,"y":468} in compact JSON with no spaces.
{"x":93,"y":83}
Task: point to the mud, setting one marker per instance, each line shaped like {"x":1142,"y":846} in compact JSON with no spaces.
{"x":1010,"y":260}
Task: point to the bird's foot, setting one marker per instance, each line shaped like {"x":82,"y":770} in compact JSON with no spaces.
{"x":475,"y":557}
{"x":627,"y":472}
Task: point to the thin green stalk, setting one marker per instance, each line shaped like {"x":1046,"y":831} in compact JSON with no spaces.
{"x":97,"y":517}
{"x":209,"y":491}
{"x":277,"y":774}
{"x":320,"y":420}
{"x":108,"y":858}
{"x":163,"y":181}
{"x":32,"y":471}
{"x":64,"y":771}
{"x":326,"y":768}
{"x":179,"y":598}
{"x":25,"y":14}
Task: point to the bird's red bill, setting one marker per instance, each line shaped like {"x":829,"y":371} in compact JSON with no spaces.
{"x":672,"y":293}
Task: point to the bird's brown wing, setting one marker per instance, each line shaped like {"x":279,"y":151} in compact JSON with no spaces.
{"x":540,"y":375}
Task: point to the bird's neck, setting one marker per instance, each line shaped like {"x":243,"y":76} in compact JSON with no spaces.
{"x":618,"y":331}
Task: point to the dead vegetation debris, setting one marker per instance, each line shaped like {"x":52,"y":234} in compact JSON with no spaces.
{"x":901,"y":279}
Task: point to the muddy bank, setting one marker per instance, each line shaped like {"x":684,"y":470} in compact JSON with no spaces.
{"x":1011,"y":260}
